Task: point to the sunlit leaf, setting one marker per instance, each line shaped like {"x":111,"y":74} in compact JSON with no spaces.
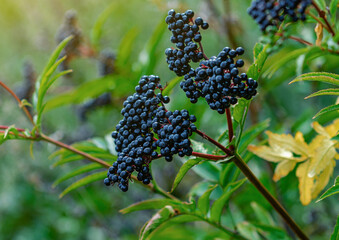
{"x":184,"y":169}
{"x":332,"y":108}
{"x":325,"y":77}
{"x":329,"y":91}
{"x":84,"y":181}
{"x":169,"y":88}
{"x":331,"y":191}
{"x":43,"y":82}
{"x":260,"y":56}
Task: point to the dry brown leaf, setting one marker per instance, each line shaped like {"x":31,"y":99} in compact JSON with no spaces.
{"x":319,"y":31}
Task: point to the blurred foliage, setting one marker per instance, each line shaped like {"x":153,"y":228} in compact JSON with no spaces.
{"x":136,"y":34}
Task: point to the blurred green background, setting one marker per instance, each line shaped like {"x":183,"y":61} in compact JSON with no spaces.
{"x":30,"y":207}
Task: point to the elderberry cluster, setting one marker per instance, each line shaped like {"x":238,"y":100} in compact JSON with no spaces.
{"x":272,"y":12}
{"x":218,"y":81}
{"x":185,"y":35}
{"x":148,"y":131}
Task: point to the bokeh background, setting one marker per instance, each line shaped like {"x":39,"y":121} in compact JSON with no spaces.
{"x":30,"y":207}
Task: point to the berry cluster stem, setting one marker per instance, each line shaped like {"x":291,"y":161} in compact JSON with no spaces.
{"x":202,"y":50}
{"x":322,"y":14}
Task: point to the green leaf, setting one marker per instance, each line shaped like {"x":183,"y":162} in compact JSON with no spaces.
{"x":263,"y":216}
{"x":76,"y":172}
{"x":149,"y":56}
{"x":126,"y":48}
{"x":251,"y":134}
{"x":84,"y":181}
{"x":247,"y":230}
{"x":258,"y":48}
{"x":204,"y":200}
{"x":169,"y":88}
{"x":239,"y":110}
{"x":184,"y":169}
{"x":83,"y":92}
{"x":334,"y":107}
{"x":329,"y":91}
{"x":176,"y":221}
{"x":219,"y":204}
{"x":321,"y":4}
{"x":331,"y":191}
{"x":285,"y":60}
{"x":325,"y":77}
{"x":335,"y":233}
{"x":270,"y":232}
{"x":333,"y":10}
{"x":43,"y":82}
{"x":260,"y":56}
{"x":160,"y":217}
{"x":96,"y":31}
{"x":156,"y":204}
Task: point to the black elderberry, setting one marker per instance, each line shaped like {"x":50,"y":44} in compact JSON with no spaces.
{"x":273,"y":12}
{"x":185,"y":32}
{"x":145,"y":118}
{"x":218,"y":81}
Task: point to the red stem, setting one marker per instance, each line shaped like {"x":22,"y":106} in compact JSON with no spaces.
{"x":208,"y":138}
{"x":202,"y":50}
{"x":209,"y":156}
{"x":18,"y":100}
{"x":18,"y":129}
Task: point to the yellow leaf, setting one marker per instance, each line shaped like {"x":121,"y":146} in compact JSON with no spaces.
{"x":323,"y":153}
{"x":322,"y":179}
{"x":287,"y":142}
{"x":305,"y":183}
{"x":275,"y":154}
{"x":328,"y":131}
{"x":283,"y":168}
{"x":320,"y":129}
{"x":333,"y":129}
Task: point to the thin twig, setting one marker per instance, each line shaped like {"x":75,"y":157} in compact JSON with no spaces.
{"x":18,"y":100}
{"x":318,"y":20}
{"x":322,"y":14}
